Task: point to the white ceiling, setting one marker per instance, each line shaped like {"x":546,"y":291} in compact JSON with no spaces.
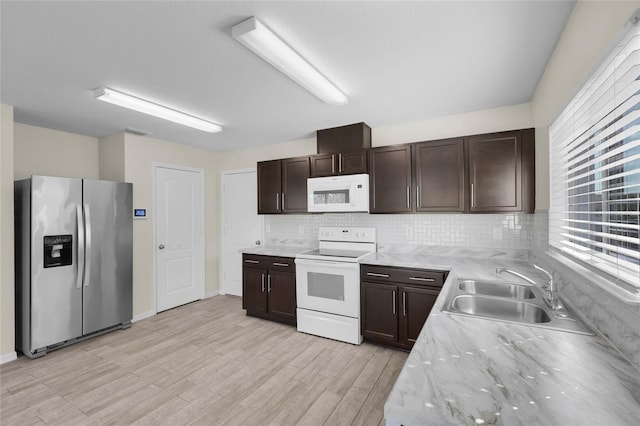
{"x":397,"y":61}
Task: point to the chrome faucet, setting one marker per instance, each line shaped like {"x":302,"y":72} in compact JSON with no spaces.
{"x":550,"y":290}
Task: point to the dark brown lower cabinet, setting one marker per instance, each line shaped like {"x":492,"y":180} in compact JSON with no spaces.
{"x":379,"y":312}
{"x":416,"y":304}
{"x":395,"y":303}
{"x":269,"y":287}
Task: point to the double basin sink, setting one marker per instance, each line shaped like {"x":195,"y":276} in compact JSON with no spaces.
{"x":513,"y":303}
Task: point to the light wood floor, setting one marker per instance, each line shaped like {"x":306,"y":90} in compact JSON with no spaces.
{"x":205,"y":363}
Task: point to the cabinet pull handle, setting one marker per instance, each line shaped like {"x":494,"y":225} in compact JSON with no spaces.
{"x":282,"y":201}
{"x":404,"y":304}
{"x":280,"y":264}
{"x":251,"y":261}
{"x":417,"y":196}
{"x":394,"y":302}
{"x":333,"y":164}
{"x":269,"y":283}
{"x":277,"y":201}
{"x":373,"y":274}
{"x":408,"y":197}
{"x":263,"y":283}
{"x":429,"y":280}
{"x":473,"y":197}
{"x":339,"y":163}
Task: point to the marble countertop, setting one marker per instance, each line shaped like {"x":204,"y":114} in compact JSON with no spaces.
{"x":469,"y":371}
{"x":273,"y":250}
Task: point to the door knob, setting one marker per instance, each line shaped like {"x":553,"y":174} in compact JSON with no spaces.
{"x":258,"y":242}
{"x":161,"y":246}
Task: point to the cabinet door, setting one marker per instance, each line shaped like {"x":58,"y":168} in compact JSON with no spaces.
{"x":323,"y":165}
{"x":254,"y":295}
{"x":295,"y":172}
{"x":379,"y":316}
{"x":440,"y":176}
{"x":415,"y":306}
{"x":390,"y":179}
{"x":351,"y":163}
{"x":495,"y":172}
{"x":269,"y":184}
{"x":281,"y":288}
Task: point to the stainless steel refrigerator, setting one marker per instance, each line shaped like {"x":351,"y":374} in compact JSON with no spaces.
{"x":74,"y":250}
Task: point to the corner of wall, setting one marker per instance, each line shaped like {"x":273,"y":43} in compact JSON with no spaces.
{"x":7,"y":272}
{"x":111,"y":157}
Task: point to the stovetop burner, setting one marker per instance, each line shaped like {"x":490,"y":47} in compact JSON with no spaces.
{"x":342,"y":244}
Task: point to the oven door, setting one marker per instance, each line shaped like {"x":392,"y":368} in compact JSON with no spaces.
{"x":326,"y":286}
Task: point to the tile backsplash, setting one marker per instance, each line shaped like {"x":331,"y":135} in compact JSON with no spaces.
{"x":499,"y":231}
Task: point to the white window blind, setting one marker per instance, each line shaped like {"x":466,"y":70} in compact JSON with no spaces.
{"x":595,"y":168}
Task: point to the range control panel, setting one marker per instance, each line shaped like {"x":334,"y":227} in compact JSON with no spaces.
{"x":350,"y":234}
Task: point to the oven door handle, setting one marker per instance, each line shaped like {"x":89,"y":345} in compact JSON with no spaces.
{"x":343,"y":265}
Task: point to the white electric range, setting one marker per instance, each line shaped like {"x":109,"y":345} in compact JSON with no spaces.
{"x":328,"y":283}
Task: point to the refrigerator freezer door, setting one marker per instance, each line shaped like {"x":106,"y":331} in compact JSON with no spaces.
{"x":108,"y":289}
{"x":56,"y":301}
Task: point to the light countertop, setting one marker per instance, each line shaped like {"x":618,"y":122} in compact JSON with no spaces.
{"x":470,"y":371}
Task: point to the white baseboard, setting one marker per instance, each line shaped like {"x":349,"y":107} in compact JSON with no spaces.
{"x":143,"y":315}
{"x":213,"y":293}
{"x":11,"y":356}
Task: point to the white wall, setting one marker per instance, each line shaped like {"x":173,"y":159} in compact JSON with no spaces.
{"x":591,"y":27}
{"x":111,"y":157}
{"x":53,"y":153}
{"x":7,"y":309}
{"x":465,"y":124}
{"x":140,"y":154}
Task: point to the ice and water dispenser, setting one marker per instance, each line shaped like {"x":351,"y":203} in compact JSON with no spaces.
{"x":58,"y":250}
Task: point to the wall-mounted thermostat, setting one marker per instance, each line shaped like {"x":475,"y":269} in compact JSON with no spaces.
{"x":139,"y":213}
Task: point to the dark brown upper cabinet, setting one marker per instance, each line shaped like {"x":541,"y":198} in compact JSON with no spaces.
{"x":339,"y":164}
{"x":295,"y":172}
{"x":269,"y":186}
{"x":439,"y":175}
{"x":350,"y":138}
{"x":390,"y":179}
{"x":282,"y":185}
{"x":501,"y":172}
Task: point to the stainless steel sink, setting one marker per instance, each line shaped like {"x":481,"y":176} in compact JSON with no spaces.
{"x":514,"y":291}
{"x":506,"y":309}
{"x":509,"y":302}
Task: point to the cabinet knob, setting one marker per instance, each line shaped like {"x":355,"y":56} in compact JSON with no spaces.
{"x":161,"y":246}
{"x":258,"y":242}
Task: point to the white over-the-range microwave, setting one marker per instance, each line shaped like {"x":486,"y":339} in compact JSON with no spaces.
{"x":347,"y":193}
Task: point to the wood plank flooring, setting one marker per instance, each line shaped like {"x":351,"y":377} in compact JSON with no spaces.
{"x":205,"y":363}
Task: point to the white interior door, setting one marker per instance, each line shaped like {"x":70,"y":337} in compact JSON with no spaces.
{"x":242,"y":227}
{"x":179,"y":236}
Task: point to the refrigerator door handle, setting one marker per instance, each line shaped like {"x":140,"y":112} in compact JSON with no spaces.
{"x":80,"y":246}
{"x":87,"y":223}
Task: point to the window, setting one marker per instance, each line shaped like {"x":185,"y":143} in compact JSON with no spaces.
{"x":595,"y":168}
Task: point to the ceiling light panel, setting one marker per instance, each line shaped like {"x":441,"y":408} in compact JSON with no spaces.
{"x":147,"y":107}
{"x":260,"y":40}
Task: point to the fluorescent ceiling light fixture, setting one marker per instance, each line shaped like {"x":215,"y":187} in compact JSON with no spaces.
{"x":264,"y":43}
{"x":150,"y":108}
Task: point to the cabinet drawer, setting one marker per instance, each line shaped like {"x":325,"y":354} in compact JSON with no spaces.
{"x":274,"y":263}
{"x":402,"y":275}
